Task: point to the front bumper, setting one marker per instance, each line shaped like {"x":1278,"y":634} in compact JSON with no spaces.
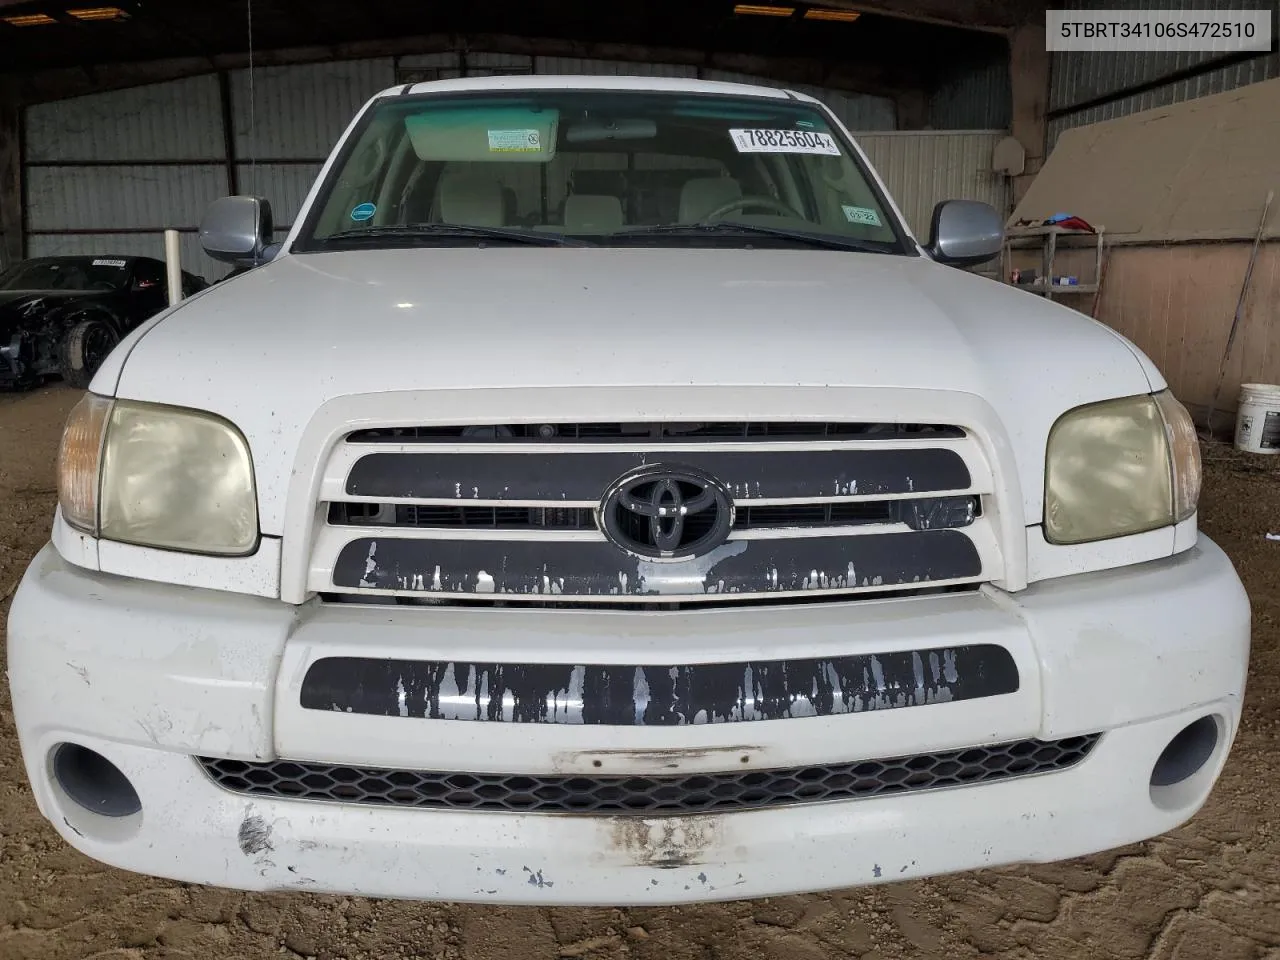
{"x":150,"y":676}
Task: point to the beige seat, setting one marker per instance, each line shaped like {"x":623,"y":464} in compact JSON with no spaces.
{"x":592,"y":213}
{"x":472,"y":200}
{"x":704,"y":195}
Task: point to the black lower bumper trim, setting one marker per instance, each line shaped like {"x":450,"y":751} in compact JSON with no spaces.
{"x":647,"y":795}
{"x":661,"y":695}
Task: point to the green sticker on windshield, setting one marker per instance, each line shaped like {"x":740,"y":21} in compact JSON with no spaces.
{"x":864,"y":215}
{"x":515,"y":141}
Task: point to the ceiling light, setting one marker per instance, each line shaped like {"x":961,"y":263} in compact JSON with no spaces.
{"x":29,"y":20}
{"x":98,"y":13}
{"x":757,"y":10}
{"x":822,"y":13}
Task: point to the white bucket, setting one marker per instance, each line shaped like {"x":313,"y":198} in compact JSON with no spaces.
{"x":1258,"y":419}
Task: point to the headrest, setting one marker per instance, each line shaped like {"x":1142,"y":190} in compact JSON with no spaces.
{"x":471,"y":199}
{"x":592,"y":213}
{"x":703,"y":195}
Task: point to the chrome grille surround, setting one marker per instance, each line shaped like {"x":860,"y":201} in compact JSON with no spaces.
{"x":821,"y":509}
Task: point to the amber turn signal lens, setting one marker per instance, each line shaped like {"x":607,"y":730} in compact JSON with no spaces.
{"x":1184,"y":452}
{"x":78,"y":459}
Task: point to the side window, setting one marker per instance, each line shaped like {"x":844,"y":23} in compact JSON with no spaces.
{"x":148,"y":274}
{"x":361,"y":179}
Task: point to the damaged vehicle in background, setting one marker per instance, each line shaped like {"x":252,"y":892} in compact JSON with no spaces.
{"x":602,"y":497}
{"x":61,"y":316}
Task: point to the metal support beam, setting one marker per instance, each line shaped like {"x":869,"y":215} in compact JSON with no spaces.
{"x":1029,"y":77}
{"x":12,"y":243}
{"x":991,"y":16}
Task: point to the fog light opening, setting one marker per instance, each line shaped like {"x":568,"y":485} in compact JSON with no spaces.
{"x":94,"y":782}
{"x":1186,"y":753}
{"x":1184,"y":769}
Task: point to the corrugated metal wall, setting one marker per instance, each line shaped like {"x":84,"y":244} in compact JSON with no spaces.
{"x":1081,"y":75}
{"x":975,"y":97}
{"x":856,"y":111}
{"x":168,"y":121}
{"x":1217,"y":80}
{"x":575,"y":66}
{"x":923,"y":168}
{"x":1078,"y":77}
{"x":297,"y":112}
{"x":132,"y":161}
{"x":109,"y":172}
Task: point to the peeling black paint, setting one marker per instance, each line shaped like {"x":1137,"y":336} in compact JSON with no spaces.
{"x":648,"y":695}
{"x":598,"y":568}
{"x":803,"y":474}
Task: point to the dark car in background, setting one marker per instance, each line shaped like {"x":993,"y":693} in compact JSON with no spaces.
{"x":61,"y":316}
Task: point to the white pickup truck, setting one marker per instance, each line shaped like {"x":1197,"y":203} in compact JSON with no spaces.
{"x":601,"y":497}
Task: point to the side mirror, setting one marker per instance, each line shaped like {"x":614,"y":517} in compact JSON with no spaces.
{"x":965,"y":232}
{"x":237,"y":230}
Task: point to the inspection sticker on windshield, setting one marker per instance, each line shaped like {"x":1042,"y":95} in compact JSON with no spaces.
{"x":120,"y":264}
{"x":861,"y":215}
{"x":785,"y":141}
{"x":515,"y":141}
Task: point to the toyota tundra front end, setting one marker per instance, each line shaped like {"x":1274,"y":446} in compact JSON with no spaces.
{"x":602,"y":498}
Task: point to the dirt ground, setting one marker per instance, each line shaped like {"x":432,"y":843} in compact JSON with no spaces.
{"x":1209,"y":891}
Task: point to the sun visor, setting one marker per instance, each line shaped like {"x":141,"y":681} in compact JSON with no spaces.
{"x":484,"y":133}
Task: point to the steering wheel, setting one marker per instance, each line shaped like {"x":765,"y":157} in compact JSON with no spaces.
{"x":745,"y":203}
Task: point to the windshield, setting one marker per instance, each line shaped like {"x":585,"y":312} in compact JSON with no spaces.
{"x":601,"y":167}
{"x":67,"y":273}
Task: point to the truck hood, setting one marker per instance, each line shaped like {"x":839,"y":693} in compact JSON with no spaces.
{"x":268,"y":348}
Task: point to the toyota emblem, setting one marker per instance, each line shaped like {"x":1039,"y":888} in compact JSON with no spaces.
{"x":666,"y":513}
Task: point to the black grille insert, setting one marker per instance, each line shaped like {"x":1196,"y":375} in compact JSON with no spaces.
{"x":933,"y":513}
{"x":647,"y":795}
{"x":655,"y":432}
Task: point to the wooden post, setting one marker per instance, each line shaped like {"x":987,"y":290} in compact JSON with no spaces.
{"x":1029,"y":76}
{"x":11,"y":233}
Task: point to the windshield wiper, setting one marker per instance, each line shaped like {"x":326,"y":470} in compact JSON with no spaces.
{"x":411,"y":232}
{"x":728,"y":228}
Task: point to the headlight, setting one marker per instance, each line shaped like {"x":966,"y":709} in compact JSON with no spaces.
{"x":1120,"y":467}
{"x":166,"y":477}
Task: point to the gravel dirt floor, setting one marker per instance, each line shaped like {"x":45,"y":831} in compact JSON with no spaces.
{"x":1209,"y":891}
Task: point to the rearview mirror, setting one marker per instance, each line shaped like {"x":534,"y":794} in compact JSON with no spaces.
{"x":237,"y":230}
{"x":965,"y":233}
{"x":593,"y":131}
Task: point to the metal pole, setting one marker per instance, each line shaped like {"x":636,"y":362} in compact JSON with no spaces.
{"x":173,"y":260}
